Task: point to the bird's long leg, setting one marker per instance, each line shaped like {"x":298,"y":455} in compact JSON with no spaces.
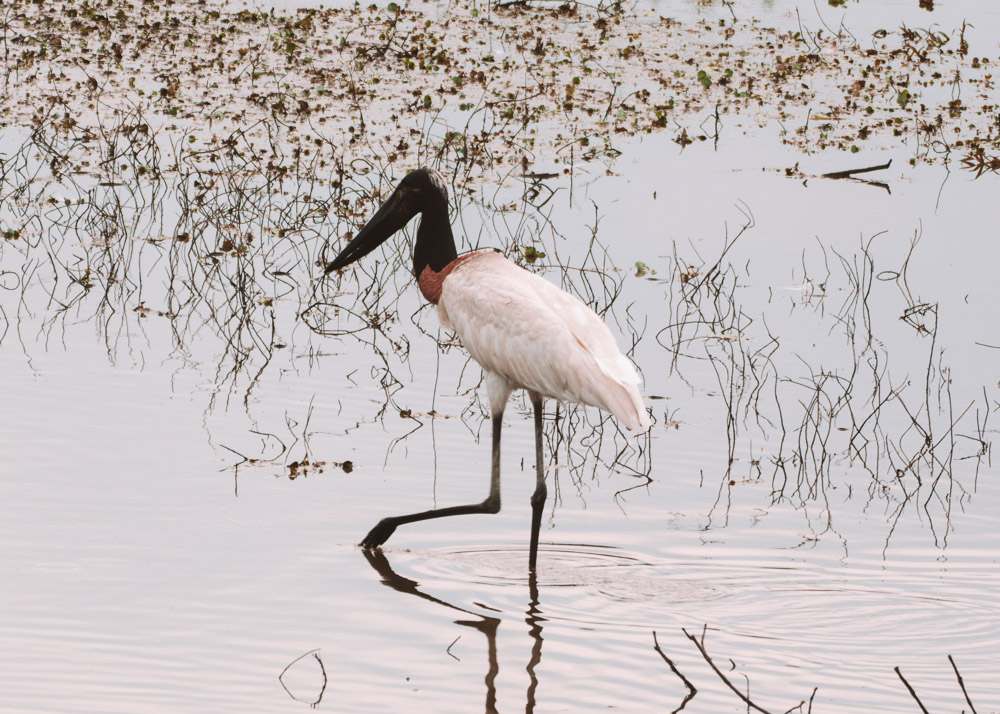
{"x":538,"y":497}
{"x":387,"y":526}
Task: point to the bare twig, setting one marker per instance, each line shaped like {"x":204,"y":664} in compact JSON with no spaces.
{"x":704,"y":653}
{"x":322,"y":669}
{"x":911,"y":691}
{"x":961,"y":683}
{"x":850,"y":172}
{"x":687,"y":683}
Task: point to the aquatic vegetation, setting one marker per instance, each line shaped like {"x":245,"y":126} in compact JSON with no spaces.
{"x":173,"y":177}
{"x":476,"y":87}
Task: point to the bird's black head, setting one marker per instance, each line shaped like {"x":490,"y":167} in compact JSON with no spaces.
{"x":425,"y":181}
{"x":421,"y":191}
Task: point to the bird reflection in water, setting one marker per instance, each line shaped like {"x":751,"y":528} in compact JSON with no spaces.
{"x":485,"y":624}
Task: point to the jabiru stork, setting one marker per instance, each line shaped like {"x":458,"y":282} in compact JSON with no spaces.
{"x":522,"y":330}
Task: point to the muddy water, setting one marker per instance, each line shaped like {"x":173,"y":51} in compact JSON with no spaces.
{"x":157,"y":555}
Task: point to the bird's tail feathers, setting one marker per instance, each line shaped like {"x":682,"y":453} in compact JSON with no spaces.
{"x":624,"y":401}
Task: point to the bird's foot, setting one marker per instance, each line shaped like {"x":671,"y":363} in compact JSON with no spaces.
{"x":378,"y":535}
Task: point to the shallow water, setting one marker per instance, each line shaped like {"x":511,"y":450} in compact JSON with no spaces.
{"x":148,"y":566}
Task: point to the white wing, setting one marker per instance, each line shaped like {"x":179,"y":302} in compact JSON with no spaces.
{"x":526,"y":330}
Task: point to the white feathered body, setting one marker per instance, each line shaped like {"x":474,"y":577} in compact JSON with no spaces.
{"x":526,"y":331}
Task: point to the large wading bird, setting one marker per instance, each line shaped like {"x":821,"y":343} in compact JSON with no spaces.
{"x":523,"y":331}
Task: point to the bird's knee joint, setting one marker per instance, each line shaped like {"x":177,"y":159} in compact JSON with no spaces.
{"x":491,"y":505}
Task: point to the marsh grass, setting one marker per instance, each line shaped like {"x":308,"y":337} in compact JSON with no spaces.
{"x":198,"y":167}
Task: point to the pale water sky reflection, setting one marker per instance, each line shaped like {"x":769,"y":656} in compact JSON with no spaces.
{"x":145,"y":566}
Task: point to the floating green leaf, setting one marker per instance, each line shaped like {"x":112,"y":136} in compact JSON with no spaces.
{"x":531,"y":254}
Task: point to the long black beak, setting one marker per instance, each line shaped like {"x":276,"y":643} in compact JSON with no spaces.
{"x":395,"y":213}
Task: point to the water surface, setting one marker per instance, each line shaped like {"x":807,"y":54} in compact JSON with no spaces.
{"x":816,"y":502}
